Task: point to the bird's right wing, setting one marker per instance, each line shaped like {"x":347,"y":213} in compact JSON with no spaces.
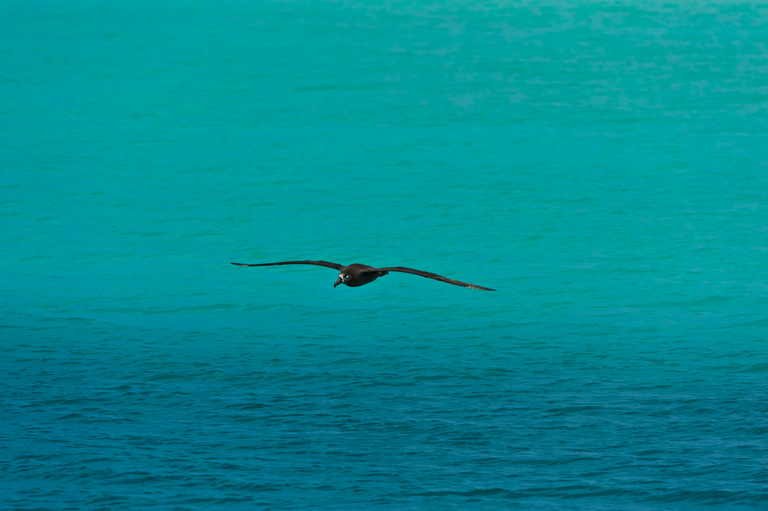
{"x":316,"y":263}
{"x":429,"y":276}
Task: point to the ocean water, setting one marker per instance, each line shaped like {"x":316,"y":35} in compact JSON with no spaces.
{"x":602,"y":164}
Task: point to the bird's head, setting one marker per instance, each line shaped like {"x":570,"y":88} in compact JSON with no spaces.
{"x":343,"y":279}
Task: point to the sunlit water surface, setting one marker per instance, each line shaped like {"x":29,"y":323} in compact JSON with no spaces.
{"x":601,"y":164}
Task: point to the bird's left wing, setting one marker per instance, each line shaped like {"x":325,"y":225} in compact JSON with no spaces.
{"x":335,"y":266}
{"x":429,"y":276}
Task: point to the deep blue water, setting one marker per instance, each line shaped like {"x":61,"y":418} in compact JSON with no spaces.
{"x":602,"y":164}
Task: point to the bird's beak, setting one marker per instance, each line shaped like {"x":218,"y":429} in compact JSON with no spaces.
{"x":338,"y":281}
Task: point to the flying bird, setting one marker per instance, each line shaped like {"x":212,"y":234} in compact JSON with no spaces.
{"x":356,"y":275}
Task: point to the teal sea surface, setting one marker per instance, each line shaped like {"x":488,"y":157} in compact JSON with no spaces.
{"x":602,"y":164}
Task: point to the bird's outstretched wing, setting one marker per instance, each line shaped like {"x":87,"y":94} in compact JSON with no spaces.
{"x":316,"y":263}
{"x":429,"y":276}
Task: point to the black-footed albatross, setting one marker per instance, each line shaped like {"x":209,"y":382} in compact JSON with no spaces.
{"x":356,"y":275}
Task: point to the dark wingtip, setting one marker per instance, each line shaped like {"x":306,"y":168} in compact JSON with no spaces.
{"x":475,"y":286}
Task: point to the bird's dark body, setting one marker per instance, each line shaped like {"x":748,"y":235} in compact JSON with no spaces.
{"x":356,"y":275}
{"x":360,"y":278}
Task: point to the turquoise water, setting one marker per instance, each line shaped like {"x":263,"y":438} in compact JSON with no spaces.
{"x":602,"y":164}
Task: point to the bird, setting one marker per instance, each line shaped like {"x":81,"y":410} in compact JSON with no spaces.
{"x":356,"y":275}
